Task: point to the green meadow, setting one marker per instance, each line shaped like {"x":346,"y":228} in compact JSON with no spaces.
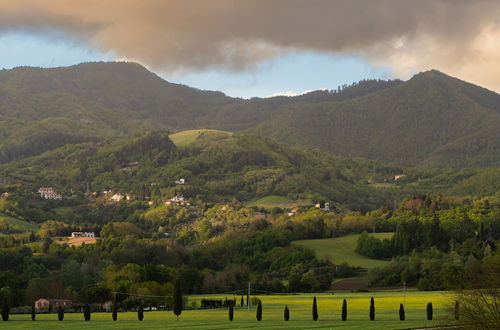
{"x":329,"y":309}
{"x":341,"y":249}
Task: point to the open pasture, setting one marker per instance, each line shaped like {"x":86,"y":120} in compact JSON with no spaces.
{"x":329,"y":309}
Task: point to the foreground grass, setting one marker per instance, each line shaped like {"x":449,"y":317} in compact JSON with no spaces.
{"x":341,"y":249}
{"x":329,"y":307}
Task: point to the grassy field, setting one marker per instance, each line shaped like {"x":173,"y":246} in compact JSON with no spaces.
{"x":329,"y":309}
{"x":270,"y":202}
{"x":341,"y":249}
{"x":22,"y":225}
{"x":185,"y":138}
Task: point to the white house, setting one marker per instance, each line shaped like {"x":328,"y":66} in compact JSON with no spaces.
{"x":49,"y":193}
{"x":117,"y":197}
{"x":180,"y":181}
{"x":399,"y":176}
{"x":82,"y":234}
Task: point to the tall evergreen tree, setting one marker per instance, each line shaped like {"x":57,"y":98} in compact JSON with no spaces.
{"x":231,"y":313}
{"x":344,"y":310}
{"x":457,"y":311}
{"x":114,"y":313}
{"x":60,"y":313}
{"x":86,"y":312}
{"x":5,"y":310}
{"x":259,"y":311}
{"x":401,"y":312}
{"x":242,"y":302}
{"x":315,"y":310}
{"x":178,"y":300}
{"x":286,"y":313}
{"x":372,"y":309}
{"x":140,"y":312}
{"x":33,"y":312}
{"x":429,"y":311}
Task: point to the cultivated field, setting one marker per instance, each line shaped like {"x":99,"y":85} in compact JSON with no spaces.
{"x":270,"y":202}
{"x":329,"y":309}
{"x":185,"y":138}
{"x":341,"y":249}
{"x":17,"y":223}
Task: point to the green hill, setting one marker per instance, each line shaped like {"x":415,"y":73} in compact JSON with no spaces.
{"x":341,"y":249}
{"x":431,"y":120}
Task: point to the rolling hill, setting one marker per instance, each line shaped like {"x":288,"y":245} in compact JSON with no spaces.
{"x":430,"y":121}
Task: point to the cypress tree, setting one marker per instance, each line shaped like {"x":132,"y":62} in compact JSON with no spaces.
{"x":178,"y":299}
{"x":33,"y":312}
{"x":248,"y":299}
{"x":344,"y":310}
{"x":60,"y":313}
{"x":5,"y":310}
{"x":114,"y":313}
{"x":140,"y":312}
{"x":429,"y":311}
{"x":231,"y":313}
{"x":86,"y":312}
{"x":372,"y":309}
{"x":401,"y":312}
{"x":234,"y":302}
{"x":315,"y":310}
{"x":286,"y":313}
{"x":457,"y":311}
{"x":242,"y":302}
{"x":226,"y":303}
{"x":259,"y":311}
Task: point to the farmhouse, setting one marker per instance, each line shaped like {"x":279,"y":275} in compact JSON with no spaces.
{"x":259,"y":215}
{"x":49,"y":193}
{"x":180,"y":181}
{"x":178,"y":200}
{"x":82,"y":234}
{"x":46,"y":305}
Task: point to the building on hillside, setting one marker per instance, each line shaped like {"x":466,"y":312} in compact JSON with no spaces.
{"x":399,"y":176}
{"x":259,"y":215}
{"x":82,"y":234}
{"x":117,"y":197}
{"x":178,"y":200}
{"x":180,"y":181}
{"x":5,"y":194}
{"x":49,"y":193}
{"x":323,"y":206}
{"x":43,"y":305}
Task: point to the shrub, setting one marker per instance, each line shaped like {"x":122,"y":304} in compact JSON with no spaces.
{"x":372,"y":309}
{"x":315,"y":310}
{"x":259,"y":311}
{"x":429,"y":311}
{"x":60,"y":313}
{"x":286,"y":313}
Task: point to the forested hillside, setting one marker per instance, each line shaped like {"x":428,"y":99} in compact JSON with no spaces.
{"x":430,"y":121}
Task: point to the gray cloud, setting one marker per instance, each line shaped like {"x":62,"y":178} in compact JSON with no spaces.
{"x":456,"y":36}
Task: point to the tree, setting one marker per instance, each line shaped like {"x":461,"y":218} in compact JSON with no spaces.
{"x":178,"y":298}
{"x":231,"y":313}
{"x":33,"y":312}
{"x":140,"y":312}
{"x":372,"y":309}
{"x":5,"y":310}
{"x":114,"y":313}
{"x":286,"y":313}
{"x":86,"y":312}
{"x":457,"y":311}
{"x":344,"y":310}
{"x":429,"y":311}
{"x":60,"y":313}
{"x":259,"y":311}
{"x":242,"y":303}
{"x":315,"y":310}
{"x":401,"y":312}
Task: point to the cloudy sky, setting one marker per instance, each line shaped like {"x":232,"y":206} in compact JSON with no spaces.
{"x":260,"y":47}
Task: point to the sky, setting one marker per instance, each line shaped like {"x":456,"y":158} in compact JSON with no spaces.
{"x":260,"y":47}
